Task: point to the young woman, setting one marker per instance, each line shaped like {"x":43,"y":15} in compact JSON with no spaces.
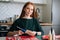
{"x":27,"y":24}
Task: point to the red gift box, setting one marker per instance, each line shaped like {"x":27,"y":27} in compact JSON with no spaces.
{"x":22,"y":38}
{"x":45,"y":37}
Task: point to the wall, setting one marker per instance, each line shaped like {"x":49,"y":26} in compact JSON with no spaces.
{"x":47,"y":11}
{"x":56,"y":15}
{"x":55,"y":18}
{"x":9,"y":10}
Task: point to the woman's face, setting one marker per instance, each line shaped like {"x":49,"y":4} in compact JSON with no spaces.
{"x":28,"y":9}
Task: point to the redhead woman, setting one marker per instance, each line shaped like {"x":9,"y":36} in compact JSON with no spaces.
{"x":27,"y":24}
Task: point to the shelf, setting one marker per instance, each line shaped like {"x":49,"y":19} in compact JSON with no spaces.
{"x":10,"y":23}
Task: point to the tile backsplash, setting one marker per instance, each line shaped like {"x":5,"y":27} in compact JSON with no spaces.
{"x":10,"y":9}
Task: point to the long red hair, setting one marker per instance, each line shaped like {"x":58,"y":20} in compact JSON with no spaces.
{"x":34,"y":14}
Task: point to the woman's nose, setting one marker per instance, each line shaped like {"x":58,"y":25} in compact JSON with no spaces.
{"x":29,"y":10}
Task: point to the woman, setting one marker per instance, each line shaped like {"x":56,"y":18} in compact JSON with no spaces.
{"x":27,"y":24}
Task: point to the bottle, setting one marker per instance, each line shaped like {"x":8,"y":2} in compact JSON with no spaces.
{"x":50,"y":34}
{"x":53,"y":33}
{"x":16,"y":17}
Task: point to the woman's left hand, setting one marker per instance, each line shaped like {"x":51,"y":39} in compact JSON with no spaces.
{"x":20,"y":32}
{"x":38,"y":33}
{"x":31,"y":33}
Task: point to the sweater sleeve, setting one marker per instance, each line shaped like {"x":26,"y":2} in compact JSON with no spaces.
{"x":13,"y":26}
{"x":38,"y":26}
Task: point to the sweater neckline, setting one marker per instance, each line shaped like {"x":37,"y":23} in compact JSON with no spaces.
{"x":27,"y":18}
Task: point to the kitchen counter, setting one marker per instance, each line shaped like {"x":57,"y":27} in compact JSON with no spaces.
{"x":46,"y":24}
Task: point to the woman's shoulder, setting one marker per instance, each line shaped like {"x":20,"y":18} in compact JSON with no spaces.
{"x":35,"y":18}
{"x":17,"y":19}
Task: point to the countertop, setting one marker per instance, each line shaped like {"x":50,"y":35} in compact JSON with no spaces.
{"x":46,"y":24}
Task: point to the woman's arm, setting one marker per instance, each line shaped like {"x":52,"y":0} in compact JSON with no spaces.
{"x":15,"y":32}
{"x":38,"y":28}
{"x":31,"y":33}
{"x":12,"y":33}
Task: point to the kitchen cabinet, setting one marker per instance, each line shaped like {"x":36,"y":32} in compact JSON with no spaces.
{"x":34,"y":1}
{"x":4,"y":0}
{"x":3,"y":33}
{"x":24,"y":1}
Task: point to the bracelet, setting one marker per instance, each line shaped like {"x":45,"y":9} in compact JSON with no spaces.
{"x":36,"y":34}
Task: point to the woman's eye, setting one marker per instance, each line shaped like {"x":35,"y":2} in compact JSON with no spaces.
{"x":27,"y":8}
{"x":32,"y":9}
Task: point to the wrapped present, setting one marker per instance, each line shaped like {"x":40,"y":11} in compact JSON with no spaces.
{"x":22,"y":38}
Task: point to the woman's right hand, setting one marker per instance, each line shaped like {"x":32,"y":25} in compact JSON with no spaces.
{"x":20,"y":32}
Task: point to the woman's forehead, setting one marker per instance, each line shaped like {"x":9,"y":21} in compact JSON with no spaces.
{"x":30,"y":5}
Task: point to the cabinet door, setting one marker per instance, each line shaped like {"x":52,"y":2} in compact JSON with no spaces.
{"x":4,"y":0}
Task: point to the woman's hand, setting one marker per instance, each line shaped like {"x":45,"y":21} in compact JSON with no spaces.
{"x":14,"y":33}
{"x":38,"y":33}
{"x":31,"y":33}
{"x":20,"y":32}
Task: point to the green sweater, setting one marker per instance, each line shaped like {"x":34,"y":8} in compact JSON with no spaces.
{"x":29,"y":24}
